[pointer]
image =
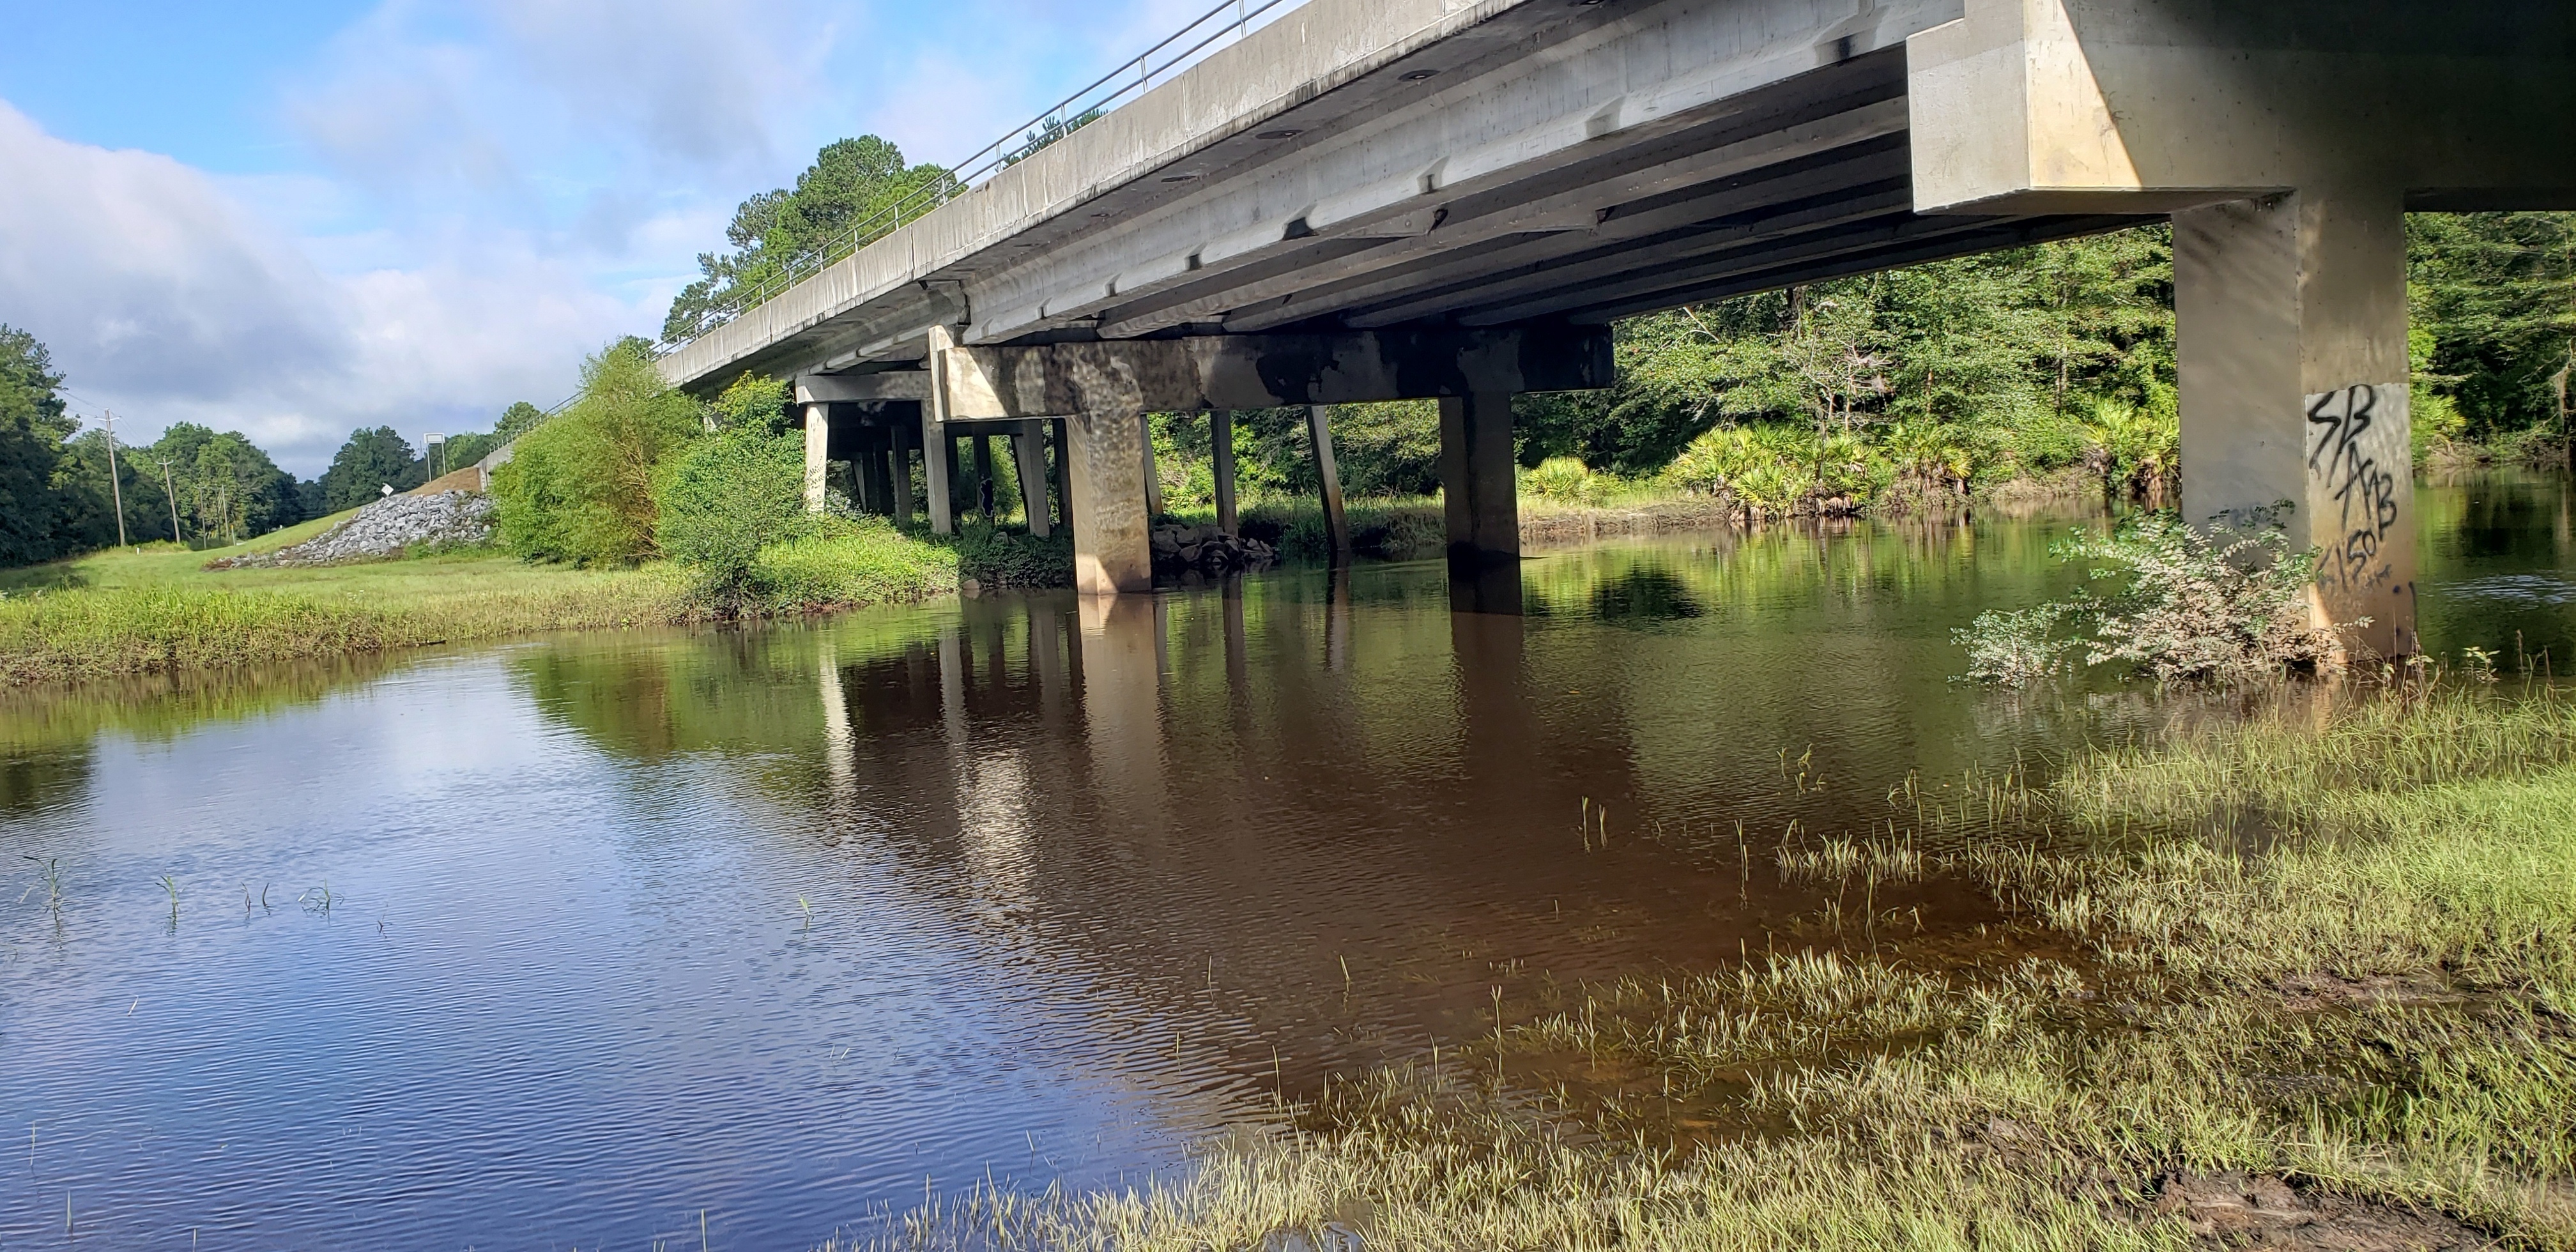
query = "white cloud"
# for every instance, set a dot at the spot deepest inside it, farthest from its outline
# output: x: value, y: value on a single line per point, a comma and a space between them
x: 165, y: 298
x: 493, y: 189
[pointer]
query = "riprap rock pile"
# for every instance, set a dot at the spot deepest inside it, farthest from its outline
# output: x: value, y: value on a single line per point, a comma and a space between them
x: 385, y: 528
x: 1207, y: 550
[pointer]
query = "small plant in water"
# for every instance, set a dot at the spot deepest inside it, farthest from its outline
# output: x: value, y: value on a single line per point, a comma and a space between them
x: 2219, y: 605
x: 2017, y: 649
x: 171, y: 885
x: 50, y: 881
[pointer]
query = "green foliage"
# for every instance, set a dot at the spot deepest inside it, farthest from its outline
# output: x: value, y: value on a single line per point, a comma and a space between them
x: 580, y: 488
x: 2197, y: 605
x: 2184, y: 605
x: 2494, y: 294
x: 841, y: 562
x: 2004, y: 355
x: 2016, y: 649
x: 753, y: 403
x: 368, y: 463
x: 43, y: 514
x: 224, y: 488
x: 724, y: 499
x: 999, y: 558
x: 2137, y: 448
x: 852, y: 183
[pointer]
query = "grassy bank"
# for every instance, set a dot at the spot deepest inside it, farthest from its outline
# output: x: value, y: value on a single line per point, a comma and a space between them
x: 2356, y: 1037
x: 118, y: 613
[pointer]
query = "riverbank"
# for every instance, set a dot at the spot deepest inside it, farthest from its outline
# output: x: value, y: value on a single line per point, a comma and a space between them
x: 159, y: 609
x: 2358, y: 1036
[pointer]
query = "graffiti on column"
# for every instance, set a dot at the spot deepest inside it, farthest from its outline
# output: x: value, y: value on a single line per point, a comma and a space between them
x: 2357, y: 451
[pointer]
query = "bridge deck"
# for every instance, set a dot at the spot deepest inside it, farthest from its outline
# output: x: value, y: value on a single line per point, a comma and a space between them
x: 1401, y: 164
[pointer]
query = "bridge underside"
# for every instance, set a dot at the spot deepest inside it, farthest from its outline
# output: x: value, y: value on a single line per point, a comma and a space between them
x: 1387, y: 199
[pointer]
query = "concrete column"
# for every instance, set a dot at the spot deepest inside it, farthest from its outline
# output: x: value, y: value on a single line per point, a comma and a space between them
x: 878, y: 470
x: 935, y: 448
x: 899, y: 472
x: 2290, y: 319
x: 1153, y: 472
x: 1221, y: 448
x: 818, y: 449
x: 1477, y: 491
x: 983, y: 445
x: 1030, y: 450
x: 1112, y: 547
x: 1319, y: 436
x: 1056, y: 428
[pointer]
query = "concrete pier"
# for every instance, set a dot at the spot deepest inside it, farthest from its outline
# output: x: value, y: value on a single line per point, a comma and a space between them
x: 1328, y: 479
x: 1478, y: 491
x: 1028, y: 448
x: 2291, y: 328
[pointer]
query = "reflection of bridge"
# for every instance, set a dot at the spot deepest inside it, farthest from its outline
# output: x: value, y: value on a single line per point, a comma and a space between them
x: 1384, y: 199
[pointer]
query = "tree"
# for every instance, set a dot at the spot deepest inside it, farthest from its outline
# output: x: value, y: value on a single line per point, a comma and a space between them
x: 2497, y: 293
x: 580, y: 487
x: 724, y: 499
x: 369, y: 462
x: 854, y: 184
x: 226, y: 488
x: 42, y: 509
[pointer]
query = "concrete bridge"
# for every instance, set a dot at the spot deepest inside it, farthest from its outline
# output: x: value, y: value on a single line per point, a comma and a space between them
x: 1454, y: 199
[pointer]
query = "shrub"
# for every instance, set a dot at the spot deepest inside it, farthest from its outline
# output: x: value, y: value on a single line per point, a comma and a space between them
x: 725, y: 499
x: 1559, y: 478
x: 2215, y: 606
x: 841, y: 562
x: 580, y: 488
x: 2198, y: 605
x: 2016, y: 649
x: 1007, y: 558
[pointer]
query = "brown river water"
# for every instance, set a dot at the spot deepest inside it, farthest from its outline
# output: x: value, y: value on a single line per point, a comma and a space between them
x: 586, y: 941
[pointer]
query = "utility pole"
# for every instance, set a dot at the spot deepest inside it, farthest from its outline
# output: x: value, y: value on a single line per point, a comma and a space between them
x: 173, y: 493
x: 115, y: 489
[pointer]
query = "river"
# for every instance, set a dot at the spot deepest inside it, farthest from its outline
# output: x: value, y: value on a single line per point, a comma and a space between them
x: 609, y: 940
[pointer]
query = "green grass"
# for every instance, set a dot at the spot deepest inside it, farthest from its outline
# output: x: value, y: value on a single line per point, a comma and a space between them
x: 119, y: 614
x: 2374, y: 1006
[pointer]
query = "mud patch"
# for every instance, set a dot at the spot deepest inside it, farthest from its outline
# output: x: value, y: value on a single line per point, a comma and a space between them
x: 2235, y: 1210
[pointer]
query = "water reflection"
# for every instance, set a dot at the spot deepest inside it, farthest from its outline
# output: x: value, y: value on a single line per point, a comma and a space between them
x: 783, y: 925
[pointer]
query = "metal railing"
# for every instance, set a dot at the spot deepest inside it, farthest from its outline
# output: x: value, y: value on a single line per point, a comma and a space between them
x: 1176, y: 52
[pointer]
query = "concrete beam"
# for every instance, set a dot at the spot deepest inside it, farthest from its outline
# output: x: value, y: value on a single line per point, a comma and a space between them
x: 2057, y: 106
x: 852, y: 388
x: 1265, y: 371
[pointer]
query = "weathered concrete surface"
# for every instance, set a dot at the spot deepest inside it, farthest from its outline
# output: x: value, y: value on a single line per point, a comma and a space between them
x: 1262, y: 371
x: 1478, y: 490
x: 1427, y: 141
x: 2291, y: 321
x: 818, y: 445
x: 2117, y: 105
x: 1112, y: 546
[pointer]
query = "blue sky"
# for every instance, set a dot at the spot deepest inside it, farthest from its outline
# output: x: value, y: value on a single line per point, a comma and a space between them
x: 297, y: 217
